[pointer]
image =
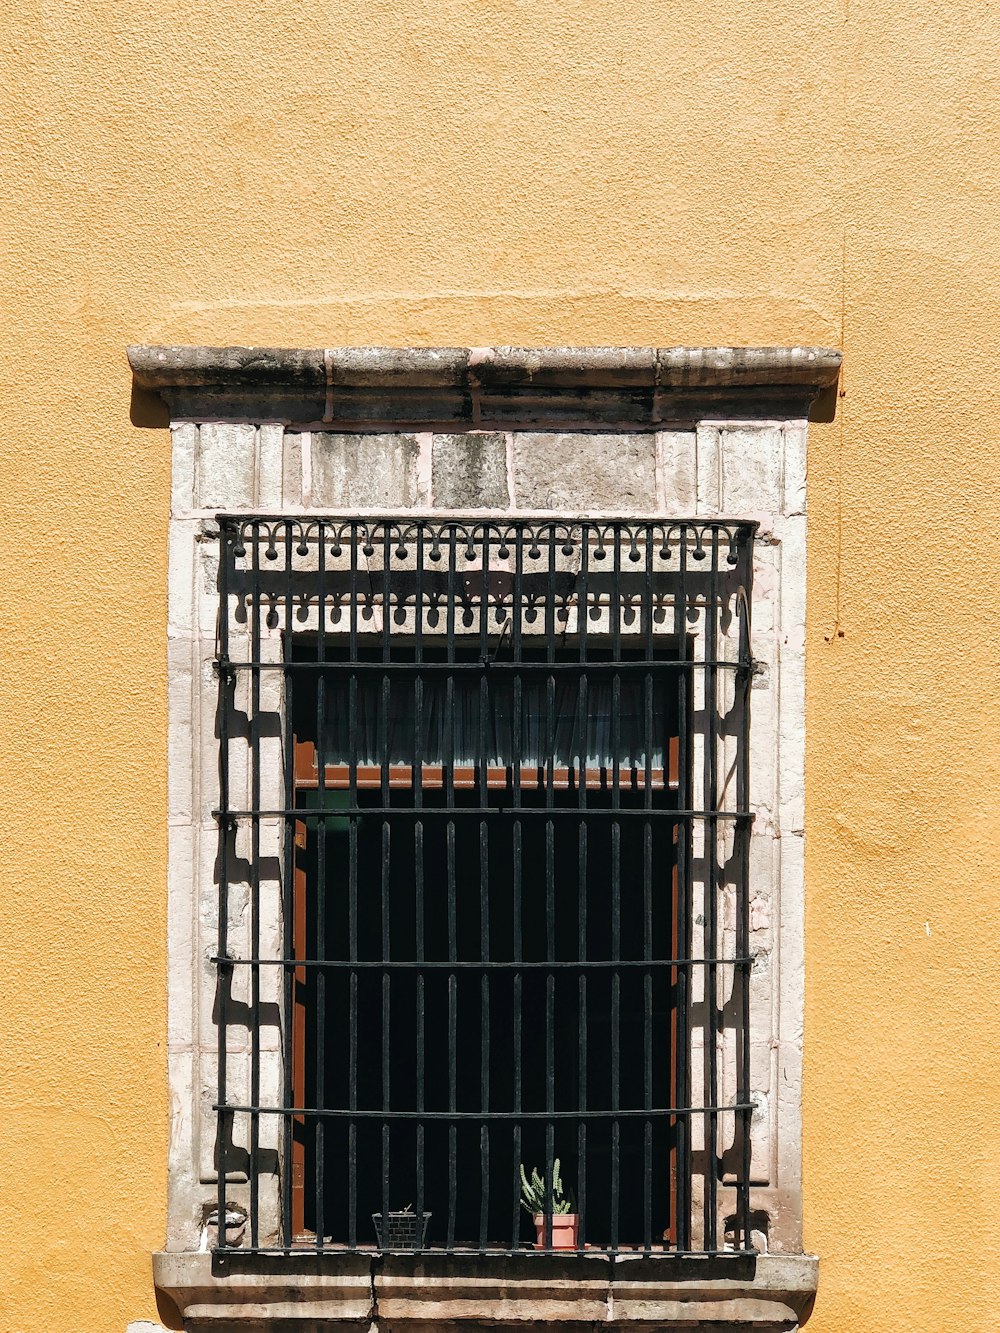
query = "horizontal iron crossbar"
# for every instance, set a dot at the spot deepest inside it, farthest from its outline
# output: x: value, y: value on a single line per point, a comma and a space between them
x: 482, y: 965
x: 589, y: 668
x: 660, y: 1255
x: 624, y: 1113
x: 458, y: 813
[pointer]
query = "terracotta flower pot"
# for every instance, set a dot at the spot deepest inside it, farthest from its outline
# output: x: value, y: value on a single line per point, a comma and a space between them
x: 565, y: 1230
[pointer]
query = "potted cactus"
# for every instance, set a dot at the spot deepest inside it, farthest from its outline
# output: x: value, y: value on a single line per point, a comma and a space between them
x: 550, y: 1206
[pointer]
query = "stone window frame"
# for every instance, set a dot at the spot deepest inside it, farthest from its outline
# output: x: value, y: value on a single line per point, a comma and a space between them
x: 702, y: 433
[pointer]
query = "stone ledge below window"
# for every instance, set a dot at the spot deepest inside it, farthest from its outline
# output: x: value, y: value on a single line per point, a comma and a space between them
x: 766, y: 1293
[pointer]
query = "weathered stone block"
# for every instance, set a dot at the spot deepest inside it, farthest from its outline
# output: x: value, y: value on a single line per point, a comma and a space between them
x: 479, y: 1290
x: 409, y: 367
x: 184, y: 447
x: 381, y: 470
x: 752, y: 459
x: 795, y: 467
x: 470, y: 471
x: 708, y: 480
x: 226, y: 465
x: 269, y: 450
x: 291, y: 470
x: 210, y: 1294
x: 180, y: 690
x: 181, y: 547
x: 675, y: 456
x: 181, y: 976
x: 583, y: 471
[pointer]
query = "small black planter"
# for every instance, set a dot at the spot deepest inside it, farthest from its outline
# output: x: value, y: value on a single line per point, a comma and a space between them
x: 401, y: 1231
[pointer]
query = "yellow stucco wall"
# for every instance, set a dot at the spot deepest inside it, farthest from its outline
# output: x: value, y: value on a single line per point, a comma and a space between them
x: 476, y: 171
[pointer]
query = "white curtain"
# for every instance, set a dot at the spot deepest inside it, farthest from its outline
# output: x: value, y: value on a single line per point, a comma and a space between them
x: 575, y: 739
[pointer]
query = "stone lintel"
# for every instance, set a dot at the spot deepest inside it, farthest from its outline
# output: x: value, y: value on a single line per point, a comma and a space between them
x: 356, y: 387
x: 764, y: 1292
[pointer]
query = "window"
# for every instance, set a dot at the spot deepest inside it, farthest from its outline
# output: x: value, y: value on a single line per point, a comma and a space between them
x: 512, y: 455
x: 507, y: 868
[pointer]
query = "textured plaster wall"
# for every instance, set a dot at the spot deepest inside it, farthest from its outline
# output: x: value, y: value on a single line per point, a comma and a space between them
x: 477, y: 171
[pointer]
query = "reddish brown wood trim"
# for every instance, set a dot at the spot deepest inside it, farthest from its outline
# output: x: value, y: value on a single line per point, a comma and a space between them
x: 466, y: 777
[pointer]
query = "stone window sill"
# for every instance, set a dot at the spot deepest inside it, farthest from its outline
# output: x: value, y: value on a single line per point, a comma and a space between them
x: 766, y: 1293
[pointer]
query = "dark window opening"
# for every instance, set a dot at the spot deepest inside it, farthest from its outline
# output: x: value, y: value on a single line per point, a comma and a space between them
x: 575, y: 915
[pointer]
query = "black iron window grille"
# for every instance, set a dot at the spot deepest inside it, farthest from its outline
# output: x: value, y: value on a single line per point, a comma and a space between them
x: 483, y: 884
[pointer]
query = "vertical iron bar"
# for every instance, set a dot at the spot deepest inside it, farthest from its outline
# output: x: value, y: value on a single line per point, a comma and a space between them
x: 744, y: 832
x: 418, y: 855
x: 615, y: 612
x: 289, y: 894
x: 352, y: 896
x: 681, y: 945
x: 647, y: 884
x: 226, y: 547
x: 583, y: 741
x: 711, y: 895
x: 383, y: 748
x: 449, y: 758
x: 319, y: 974
x: 484, y: 894
x: 255, y: 894
x: 516, y: 748
x: 550, y: 875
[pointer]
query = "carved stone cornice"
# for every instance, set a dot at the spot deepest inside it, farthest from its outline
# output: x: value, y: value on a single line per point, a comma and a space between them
x: 485, y: 387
